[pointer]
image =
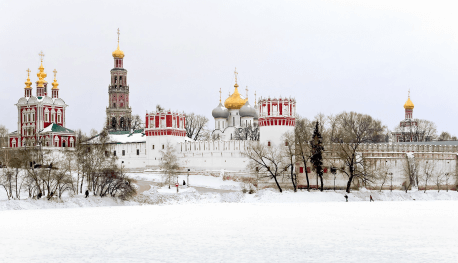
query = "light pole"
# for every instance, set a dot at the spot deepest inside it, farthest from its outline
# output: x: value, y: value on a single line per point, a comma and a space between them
x: 187, y: 179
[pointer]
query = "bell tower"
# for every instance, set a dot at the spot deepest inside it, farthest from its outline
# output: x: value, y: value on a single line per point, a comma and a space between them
x: 119, y: 114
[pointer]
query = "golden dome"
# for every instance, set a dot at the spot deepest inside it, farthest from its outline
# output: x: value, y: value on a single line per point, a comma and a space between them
x: 235, y: 101
x: 55, y: 84
x: 118, y: 53
x: 41, y: 76
x: 28, y: 83
x: 408, y: 105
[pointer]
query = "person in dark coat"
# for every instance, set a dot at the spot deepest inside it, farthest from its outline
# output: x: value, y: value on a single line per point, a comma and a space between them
x: 39, y: 195
x: 86, y: 193
x: 184, y: 183
x: 371, y: 200
x: 346, y: 198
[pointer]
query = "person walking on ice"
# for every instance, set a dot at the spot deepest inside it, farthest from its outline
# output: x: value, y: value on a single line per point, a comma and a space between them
x: 86, y: 193
x: 371, y: 200
x: 346, y: 198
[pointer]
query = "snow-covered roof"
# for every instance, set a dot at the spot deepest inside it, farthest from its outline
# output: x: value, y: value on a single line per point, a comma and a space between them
x: 56, y: 128
x: 118, y: 137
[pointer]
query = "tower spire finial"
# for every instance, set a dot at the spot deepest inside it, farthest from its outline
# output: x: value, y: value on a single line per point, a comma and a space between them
x: 118, y: 36
x: 219, y: 95
x: 255, y: 98
x: 41, y: 54
x: 409, y: 94
x: 28, y: 73
x: 235, y: 73
x: 55, y: 73
x: 246, y: 89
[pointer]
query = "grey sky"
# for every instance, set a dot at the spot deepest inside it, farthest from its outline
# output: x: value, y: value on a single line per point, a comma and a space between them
x: 330, y: 55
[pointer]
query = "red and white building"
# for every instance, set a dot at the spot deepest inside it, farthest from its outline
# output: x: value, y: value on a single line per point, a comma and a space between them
x: 276, y: 116
x: 41, y: 118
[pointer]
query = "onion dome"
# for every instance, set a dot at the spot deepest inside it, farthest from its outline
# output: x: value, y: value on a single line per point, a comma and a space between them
x: 235, y: 101
x: 409, y: 104
x: 247, y: 110
x: 220, y: 112
x: 55, y: 84
x: 256, y: 115
x: 41, y: 76
x: 118, y: 53
x: 28, y: 83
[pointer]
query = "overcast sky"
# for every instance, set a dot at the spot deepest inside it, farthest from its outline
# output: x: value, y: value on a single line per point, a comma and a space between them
x: 332, y: 56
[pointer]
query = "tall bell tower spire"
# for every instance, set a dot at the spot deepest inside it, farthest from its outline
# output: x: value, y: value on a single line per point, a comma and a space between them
x: 119, y: 114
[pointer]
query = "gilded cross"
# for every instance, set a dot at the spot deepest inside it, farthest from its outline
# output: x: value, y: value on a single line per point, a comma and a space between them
x: 255, y: 98
x: 28, y: 72
x: 55, y: 72
x: 246, y: 89
x: 41, y: 54
x: 118, y: 35
x: 235, y: 73
x: 219, y: 95
x: 409, y: 93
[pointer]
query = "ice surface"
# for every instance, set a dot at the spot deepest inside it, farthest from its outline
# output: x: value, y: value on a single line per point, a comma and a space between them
x: 224, y: 232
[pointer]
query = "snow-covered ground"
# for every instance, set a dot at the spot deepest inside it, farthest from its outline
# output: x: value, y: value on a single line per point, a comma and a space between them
x: 198, y: 180
x: 421, y: 231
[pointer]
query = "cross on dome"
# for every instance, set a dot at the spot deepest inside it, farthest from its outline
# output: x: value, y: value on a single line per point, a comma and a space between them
x: 28, y: 72
x: 41, y: 54
x: 235, y: 73
x: 246, y: 89
x: 55, y: 72
x: 219, y: 95
x: 118, y: 35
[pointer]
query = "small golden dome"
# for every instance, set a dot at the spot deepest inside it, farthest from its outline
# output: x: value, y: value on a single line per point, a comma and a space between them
x: 118, y: 53
x: 55, y: 84
x: 41, y: 72
x: 235, y: 101
x: 41, y: 76
x: 28, y: 83
x: 408, y: 105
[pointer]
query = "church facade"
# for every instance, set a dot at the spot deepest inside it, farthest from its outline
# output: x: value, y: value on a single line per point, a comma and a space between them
x: 41, y: 118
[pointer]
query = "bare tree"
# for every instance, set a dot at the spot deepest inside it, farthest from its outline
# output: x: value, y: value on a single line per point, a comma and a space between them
x: 169, y: 163
x: 354, y: 129
x: 412, y: 170
x: 195, y: 124
x: 303, y: 133
x: 3, y: 136
x: 445, y: 136
x: 250, y: 133
x: 417, y: 130
x: 439, y: 180
x: 289, y: 153
x: 136, y: 122
x: 429, y: 167
x: 266, y: 161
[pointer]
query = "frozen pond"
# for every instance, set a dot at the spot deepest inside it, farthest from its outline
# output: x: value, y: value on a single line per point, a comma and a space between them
x: 412, y: 231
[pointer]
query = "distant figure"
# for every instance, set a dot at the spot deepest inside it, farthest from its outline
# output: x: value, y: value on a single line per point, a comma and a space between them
x: 346, y: 197
x: 50, y: 196
x: 372, y: 200
x: 184, y: 183
x: 86, y: 193
x: 39, y: 195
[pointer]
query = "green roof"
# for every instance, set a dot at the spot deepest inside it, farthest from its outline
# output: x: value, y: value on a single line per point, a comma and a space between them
x: 56, y: 128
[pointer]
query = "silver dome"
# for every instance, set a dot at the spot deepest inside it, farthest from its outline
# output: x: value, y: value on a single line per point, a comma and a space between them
x: 220, y: 112
x: 247, y: 110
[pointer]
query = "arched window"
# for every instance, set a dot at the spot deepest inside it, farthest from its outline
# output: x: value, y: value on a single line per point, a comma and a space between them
x: 122, y: 123
x: 113, y: 123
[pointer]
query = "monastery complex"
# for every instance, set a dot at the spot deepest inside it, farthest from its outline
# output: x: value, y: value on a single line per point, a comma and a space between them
x: 41, y: 122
